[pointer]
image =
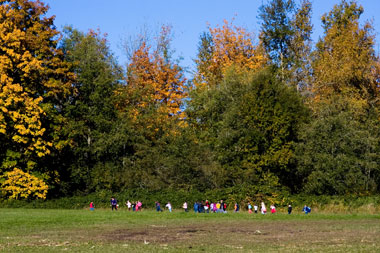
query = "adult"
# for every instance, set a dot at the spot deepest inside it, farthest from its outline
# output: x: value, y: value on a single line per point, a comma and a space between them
x: 113, y: 203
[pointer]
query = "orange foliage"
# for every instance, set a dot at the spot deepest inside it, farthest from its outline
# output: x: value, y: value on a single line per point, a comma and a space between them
x: 154, y: 80
x: 231, y: 45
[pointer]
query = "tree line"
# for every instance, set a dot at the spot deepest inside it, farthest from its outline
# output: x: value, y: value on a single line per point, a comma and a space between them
x: 271, y: 111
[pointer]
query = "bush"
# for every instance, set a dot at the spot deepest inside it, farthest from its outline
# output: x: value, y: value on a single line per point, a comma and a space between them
x: 240, y: 194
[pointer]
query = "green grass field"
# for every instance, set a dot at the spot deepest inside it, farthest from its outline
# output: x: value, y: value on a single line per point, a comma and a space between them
x: 37, y: 230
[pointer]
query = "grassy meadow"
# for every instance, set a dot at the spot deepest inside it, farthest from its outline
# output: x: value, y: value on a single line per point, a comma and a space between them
x: 44, y: 230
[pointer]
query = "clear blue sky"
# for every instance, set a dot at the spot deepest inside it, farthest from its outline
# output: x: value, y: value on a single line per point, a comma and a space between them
x: 123, y: 18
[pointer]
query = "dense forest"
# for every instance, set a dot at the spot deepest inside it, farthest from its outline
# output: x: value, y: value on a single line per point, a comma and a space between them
x: 263, y: 110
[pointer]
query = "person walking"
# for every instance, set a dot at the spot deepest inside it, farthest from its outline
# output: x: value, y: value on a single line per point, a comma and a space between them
x: 272, y: 209
x: 290, y: 209
x: 255, y: 207
x: 249, y: 208
x: 184, y: 206
x: 128, y: 204
x: 169, y: 207
x: 236, y: 208
x: 263, y: 208
x: 158, y: 206
x: 113, y: 203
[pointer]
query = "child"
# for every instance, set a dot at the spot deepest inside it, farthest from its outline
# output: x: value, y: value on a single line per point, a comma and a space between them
x: 139, y: 204
x: 212, y: 207
x: 290, y: 209
x: 169, y: 206
x: 207, y: 206
x: 128, y: 204
x: 158, y: 207
x: 255, y: 207
x: 272, y: 209
x: 218, y: 209
x: 184, y: 206
x: 196, y: 207
x: 133, y: 206
x: 236, y: 207
x: 263, y: 208
x: 92, y: 207
x: 249, y: 208
x: 306, y: 209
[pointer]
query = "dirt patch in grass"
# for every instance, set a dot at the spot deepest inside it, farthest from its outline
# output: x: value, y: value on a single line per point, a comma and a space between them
x: 251, y: 232
x: 154, y: 234
x: 245, y: 232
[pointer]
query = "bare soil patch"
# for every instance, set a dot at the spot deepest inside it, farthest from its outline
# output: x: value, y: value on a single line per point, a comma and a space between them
x: 242, y: 233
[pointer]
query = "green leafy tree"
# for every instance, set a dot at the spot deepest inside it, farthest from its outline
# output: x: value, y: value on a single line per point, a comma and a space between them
x: 286, y: 36
x: 90, y: 112
x: 338, y: 152
x: 301, y: 48
x: 251, y: 123
x: 277, y: 32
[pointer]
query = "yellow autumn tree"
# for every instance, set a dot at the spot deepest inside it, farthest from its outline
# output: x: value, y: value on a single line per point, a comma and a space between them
x: 20, y: 185
x: 223, y: 47
x: 34, y: 82
x: 345, y: 57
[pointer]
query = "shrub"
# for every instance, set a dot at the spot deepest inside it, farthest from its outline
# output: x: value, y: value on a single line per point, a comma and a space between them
x: 21, y: 185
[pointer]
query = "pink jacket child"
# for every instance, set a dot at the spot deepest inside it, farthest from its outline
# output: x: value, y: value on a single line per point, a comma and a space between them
x: 92, y: 207
x: 214, y: 209
x: 138, y: 205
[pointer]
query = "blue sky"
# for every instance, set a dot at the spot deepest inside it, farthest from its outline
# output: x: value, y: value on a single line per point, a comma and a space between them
x: 123, y: 18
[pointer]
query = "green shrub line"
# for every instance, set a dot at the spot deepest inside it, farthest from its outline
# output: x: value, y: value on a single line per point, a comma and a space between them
x: 231, y: 196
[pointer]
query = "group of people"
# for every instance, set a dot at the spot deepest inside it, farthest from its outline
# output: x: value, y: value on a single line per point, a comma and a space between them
x: 158, y: 206
x: 201, y: 207
x: 134, y: 206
